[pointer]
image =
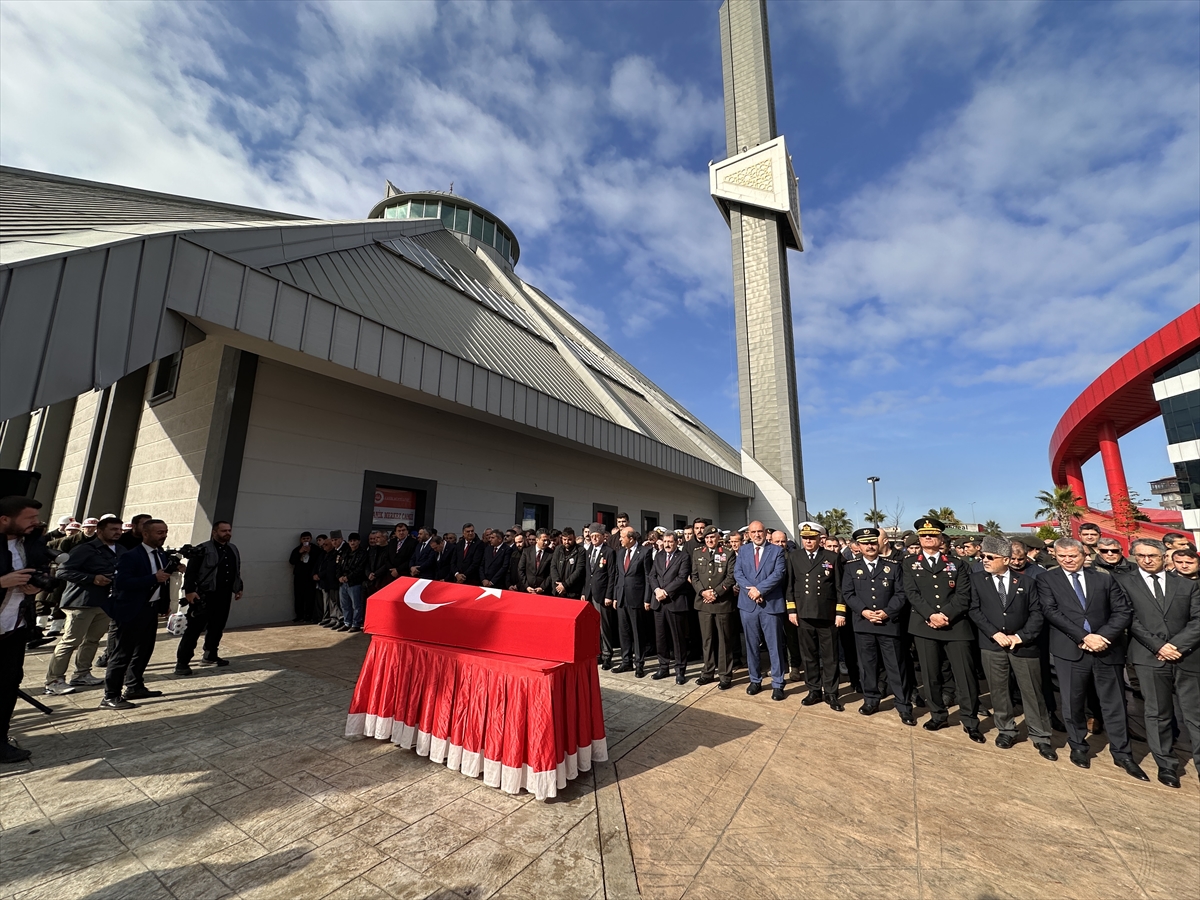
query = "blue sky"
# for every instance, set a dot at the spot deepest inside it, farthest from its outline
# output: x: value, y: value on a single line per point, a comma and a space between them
x: 998, y: 199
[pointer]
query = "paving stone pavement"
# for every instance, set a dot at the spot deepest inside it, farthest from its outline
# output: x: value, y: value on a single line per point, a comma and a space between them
x: 238, y: 783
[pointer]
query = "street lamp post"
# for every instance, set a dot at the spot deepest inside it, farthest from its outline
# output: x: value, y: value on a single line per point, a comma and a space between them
x: 874, y: 480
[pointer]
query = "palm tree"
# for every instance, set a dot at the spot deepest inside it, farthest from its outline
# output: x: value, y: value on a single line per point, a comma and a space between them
x: 1062, y: 504
x: 992, y: 527
x: 876, y: 517
x: 835, y: 521
x: 946, y: 514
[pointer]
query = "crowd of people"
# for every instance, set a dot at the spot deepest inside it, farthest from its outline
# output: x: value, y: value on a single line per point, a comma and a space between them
x: 85, y: 582
x: 1068, y: 628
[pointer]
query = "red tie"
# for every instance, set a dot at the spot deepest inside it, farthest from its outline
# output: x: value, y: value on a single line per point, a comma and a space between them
x: 627, y: 555
x: 465, y: 545
x: 757, y: 557
x: 539, y: 559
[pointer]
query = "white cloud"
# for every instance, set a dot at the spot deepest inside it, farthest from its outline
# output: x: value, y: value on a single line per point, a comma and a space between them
x: 674, y: 118
x: 1053, y: 219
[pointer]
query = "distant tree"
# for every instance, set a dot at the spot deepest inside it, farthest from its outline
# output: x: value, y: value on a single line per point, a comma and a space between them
x: 835, y: 521
x: 876, y: 517
x: 1062, y: 504
x: 895, y: 515
x: 946, y: 514
x: 1047, y: 533
x: 992, y: 527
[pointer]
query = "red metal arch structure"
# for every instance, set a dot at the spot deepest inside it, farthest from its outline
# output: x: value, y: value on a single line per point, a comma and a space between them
x: 1117, y: 402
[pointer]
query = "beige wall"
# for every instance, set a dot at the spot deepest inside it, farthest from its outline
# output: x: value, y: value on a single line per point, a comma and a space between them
x: 311, y: 439
x: 74, y: 458
x: 168, y: 458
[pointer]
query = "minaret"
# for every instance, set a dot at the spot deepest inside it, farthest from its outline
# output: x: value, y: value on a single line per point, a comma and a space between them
x: 755, y: 188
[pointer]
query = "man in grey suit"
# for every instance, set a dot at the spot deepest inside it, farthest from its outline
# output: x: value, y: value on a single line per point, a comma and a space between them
x: 1166, y: 635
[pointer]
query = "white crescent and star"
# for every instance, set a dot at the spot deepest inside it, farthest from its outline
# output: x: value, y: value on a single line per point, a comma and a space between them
x: 412, y: 597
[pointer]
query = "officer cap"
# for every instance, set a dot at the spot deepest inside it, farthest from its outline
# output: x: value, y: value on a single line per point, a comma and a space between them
x: 743, y: 529
x: 912, y: 541
x: 929, y: 525
x: 711, y: 529
x: 866, y: 535
x: 811, y: 530
x: 1031, y: 541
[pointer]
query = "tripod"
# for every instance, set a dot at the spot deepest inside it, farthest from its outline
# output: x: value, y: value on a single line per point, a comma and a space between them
x: 36, y: 704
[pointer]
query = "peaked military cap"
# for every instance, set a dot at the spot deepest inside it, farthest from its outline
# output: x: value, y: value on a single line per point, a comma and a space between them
x: 811, y: 530
x: 866, y: 535
x: 929, y: 525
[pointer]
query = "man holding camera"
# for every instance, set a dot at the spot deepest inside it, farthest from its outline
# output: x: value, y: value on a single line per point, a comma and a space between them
x: 22, y: 559
x: 137, y: 596
x: 212, y: 580
x: 88, y: 574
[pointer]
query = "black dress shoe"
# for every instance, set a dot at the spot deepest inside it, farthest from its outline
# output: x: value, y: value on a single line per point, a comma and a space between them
x: 753, y: 688
x: 10, y: 753
x: 704, y: 679
x: 660, y: 675
x: 936, y: 725
x: 681, y: 679
x: 868, y: 709
x: 724, y: 685
x: 1131, y: 768
x: 776, y: 693
x: 1080, y: 758
x: 183, y: 670
x: 918, y: 701
x: 1057, y: 724
x: 140, y: 693
x: 813, y: 698
x: 835, y: 704
x: 1046, y: 752
x: 219, y: 661
x: 973, y: 734
x: 621, y: 667
x: 606, y: 664
x: 1170, y: 779
x: 118, y: 703
x: 908, y: 719
x: 1005, y: 741
x: 639, y: 672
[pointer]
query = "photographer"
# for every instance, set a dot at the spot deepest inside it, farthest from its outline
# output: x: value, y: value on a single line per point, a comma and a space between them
x: 213, y: 578
x: 25, y: 559
x: 88, y: 575
x: 134, y: 604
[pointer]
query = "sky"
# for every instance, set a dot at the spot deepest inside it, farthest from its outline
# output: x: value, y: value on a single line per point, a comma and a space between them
x: 998, y: 199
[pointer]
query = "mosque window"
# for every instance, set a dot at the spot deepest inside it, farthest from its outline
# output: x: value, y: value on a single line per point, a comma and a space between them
x: 476, y: 226
x: 489, y: 232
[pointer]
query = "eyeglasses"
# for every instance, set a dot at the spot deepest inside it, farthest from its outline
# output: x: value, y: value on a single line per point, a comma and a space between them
x: 989, y: 557
x: 1108, y: 549
x: 1148, y: 555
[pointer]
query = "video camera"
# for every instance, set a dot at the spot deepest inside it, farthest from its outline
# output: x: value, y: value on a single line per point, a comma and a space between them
x: 176, y: 557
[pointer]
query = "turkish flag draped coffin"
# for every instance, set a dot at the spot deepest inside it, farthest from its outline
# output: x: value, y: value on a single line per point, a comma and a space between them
x: 489, y: 682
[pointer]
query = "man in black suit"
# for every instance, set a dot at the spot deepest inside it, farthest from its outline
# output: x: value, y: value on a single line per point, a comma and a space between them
x: 816, y: 608
x: 534, y: 570
x: 630, y: 593
x: 874, y: 596
x: 516, y: 556
x: 1089, y: 613
x: 1008, y: 619
x: 138, y: 585
x: 468, y: 557
x: 403, y: 545
x: 1166, y: 635
x: 447, y: 564
x: 379, y: 562
x: 423, y: 563
x: 670, y: 601
x: 568, y: 567
x: 939, y: 597
x: 494, y: 570
x: 596, y: 590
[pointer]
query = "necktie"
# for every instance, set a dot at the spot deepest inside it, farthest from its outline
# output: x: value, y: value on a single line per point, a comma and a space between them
x: 812, y: 557
x: 538, y: 563
x: 465, y: 546
x: 870, y: 568
x: 1000, y: 590
x: 757, y: 556
x: 628, y: 553
x: 929, y: 562
x: 1082, y: 598
x: 668, y: 565
x: 1158, y: 591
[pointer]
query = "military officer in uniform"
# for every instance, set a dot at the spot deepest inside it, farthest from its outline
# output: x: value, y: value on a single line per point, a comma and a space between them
x: 878, y: 609
x: 939, y: 597
x: 712, y: 580
x: 816, y: 608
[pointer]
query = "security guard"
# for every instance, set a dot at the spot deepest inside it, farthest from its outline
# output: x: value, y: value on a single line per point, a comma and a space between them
x: 815, y: 607
x: 939, y: 596
x: 716, y: 604
x: 877, y: 607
